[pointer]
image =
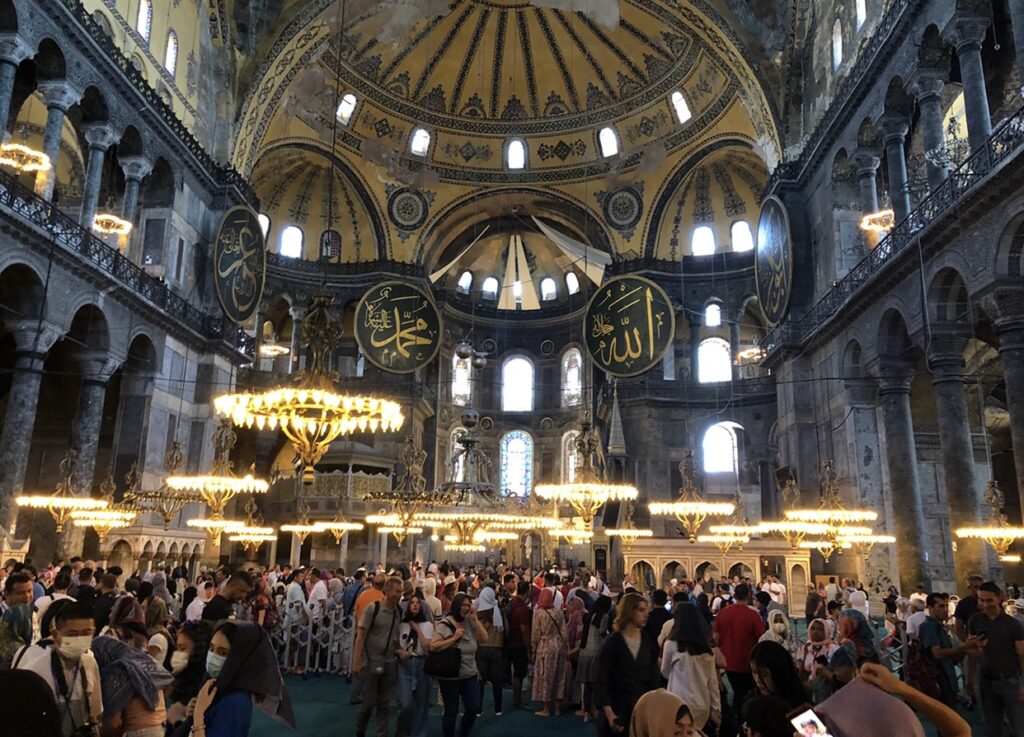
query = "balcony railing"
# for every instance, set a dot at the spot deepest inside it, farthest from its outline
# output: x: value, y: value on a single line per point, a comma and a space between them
x: 695, y: 392
x: 28, y: 207
x: 1005, y: 142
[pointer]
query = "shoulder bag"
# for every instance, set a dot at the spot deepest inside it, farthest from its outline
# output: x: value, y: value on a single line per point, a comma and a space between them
x: 444, y: 663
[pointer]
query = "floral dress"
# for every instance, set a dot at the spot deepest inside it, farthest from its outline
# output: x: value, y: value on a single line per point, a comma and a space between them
x: 548, y: 640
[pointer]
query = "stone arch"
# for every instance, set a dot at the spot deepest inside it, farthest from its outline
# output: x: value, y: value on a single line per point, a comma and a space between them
x: 49, y: 60
x: 933, y: 53
x: 798, y: 579
x: 741, y: 569
x: 1010, y: 253
x: 93, y: 106
x: 22, y: 293
x: 89, y: 329
x: 121, y: 555
x: 672, y: 569
x: 853, y: 361
x: 948, y: 302
x: 8, y: 17
x: 893, y: 335
x: 706, y: 570
x: 172, y: 552
x: 186, y: 551
x: 142, y: 356
x: 642, y: 573
x: 147, y: 549
x: 845, y: 195
x: 130, y: 143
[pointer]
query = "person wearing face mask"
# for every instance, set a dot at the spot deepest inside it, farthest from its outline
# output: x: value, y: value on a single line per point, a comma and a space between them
x: 188, y: 665
x: 69, y: 668
x: 243, y: 668
x: 778, y: 631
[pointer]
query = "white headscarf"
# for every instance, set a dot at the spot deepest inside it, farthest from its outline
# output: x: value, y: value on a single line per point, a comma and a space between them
x: 488, y: 600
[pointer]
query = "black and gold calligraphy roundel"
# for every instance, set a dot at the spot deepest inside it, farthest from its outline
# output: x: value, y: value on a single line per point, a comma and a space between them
x: 239, y: 264
x: 398, y: 327
x: 773, y: 261
x: 629, y: 325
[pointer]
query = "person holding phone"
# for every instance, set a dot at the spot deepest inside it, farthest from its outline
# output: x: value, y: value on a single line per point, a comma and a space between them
x: 1001, y: 663
x: 460, y: 629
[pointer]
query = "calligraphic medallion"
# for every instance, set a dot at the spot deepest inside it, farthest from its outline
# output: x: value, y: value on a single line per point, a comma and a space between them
x: 239, y: 264
x: 398, y: 327
x: 629, y: 325
x: 773, y: 260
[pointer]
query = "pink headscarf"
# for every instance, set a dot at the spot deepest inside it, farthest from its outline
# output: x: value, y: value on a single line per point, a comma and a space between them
x: 577, y: 610
x: 546, y: 600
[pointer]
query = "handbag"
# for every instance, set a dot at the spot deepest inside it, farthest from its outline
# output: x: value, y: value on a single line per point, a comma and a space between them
x: 444, y: 663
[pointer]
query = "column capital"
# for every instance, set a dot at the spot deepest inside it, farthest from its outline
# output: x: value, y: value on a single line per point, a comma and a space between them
x: 31, y: 336
x: 58, y: 93
x: 895, y: 377
x: 1003, y: 303
x: 967, y: 29
x: 946, y: 356
x: 135, y: 167
x: 97, y: 366
x: 14, y: 49
x: 894, y: 128
x: 100, y: 136
x: 927, y: 83
x: 866, y: 161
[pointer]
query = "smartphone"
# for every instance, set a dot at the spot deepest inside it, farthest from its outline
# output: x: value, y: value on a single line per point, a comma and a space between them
x: 807, y: 723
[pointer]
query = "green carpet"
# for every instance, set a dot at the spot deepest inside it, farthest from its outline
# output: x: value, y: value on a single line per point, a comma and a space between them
x: 322, y: 709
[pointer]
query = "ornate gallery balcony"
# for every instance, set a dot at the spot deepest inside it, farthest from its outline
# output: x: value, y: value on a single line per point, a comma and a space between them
x: 38, y: 223
x: 744, y: 391
x: 976, y: 178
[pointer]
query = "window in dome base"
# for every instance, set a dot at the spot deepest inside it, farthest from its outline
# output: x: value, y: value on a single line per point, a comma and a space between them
x: 608, y: 141
x: 330, y: 245
x: 517, y: 385
x: 489, y: 290
x: 419, y: 144
x: 346, y: 107
x: 682, y: 109
x: 703, y: 241
x: 264, y: 224
x: 572, y: 283
x: 465, y: 283
x: 548, y: 289
x: 291, y: 242
x: 516, y: 154
x: 742, y: 237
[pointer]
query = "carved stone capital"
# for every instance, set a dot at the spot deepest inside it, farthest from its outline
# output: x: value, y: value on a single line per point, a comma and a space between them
x: 927, y: 83
x: 967, y: 29
x: 946, y: 355
x: 894, y: 128
x: 58, y: 93
x: 1003, y: 303
x: 100, y: 136
x: 97, y: 366
x: 14, y: 49
x: 895, y: 374
x: 135, y: 167
x: 31, y: 336
x: 865, y: 161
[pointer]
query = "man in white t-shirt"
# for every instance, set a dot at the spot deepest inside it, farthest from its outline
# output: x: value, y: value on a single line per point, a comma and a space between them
x: 777, y: 590
x: 916, y: 619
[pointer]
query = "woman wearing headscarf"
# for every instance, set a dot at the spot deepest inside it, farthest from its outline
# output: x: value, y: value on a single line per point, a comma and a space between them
x: 548, y: 653
x: 775, y: 673
x: 243, y: 668
x: 595, y: 630
x: 15, y: 632
x: 575, y: 611
x: 430, y: 599
x: 463, y: 630
x: 778, y: 631
x: 688, y: 663
x: 188, y: 666
x: 859, y: 601
x: 160, y: 590
x: 490, y: 656
x: 809, y: 656
x: 128, y: 622
x: 132, y: 686
x: 660, y: 714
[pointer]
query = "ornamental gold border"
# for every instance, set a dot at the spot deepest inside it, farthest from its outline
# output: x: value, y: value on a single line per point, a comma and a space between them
x: 263, y: 262
x: 426, y: 295
x: 672, y: 324
x: 789, y: 241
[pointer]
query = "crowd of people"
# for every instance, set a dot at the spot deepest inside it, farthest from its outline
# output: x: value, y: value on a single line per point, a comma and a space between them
x: 174, y: 656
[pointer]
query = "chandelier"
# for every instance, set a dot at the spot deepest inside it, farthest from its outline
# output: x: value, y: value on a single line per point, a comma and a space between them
x: 628, y: 533
x: 63, y: 502
x: 572, y: 535
x: 470, y: 527
x: 826, y: 546
x: 588, y: 491
x: 23, y: 158
x: 103, y: 521
x: 165, y: 501
x: 391, y: 524
x: 311, y: 413
x: 221, y: 485
x: 338, y: 527
x: 831, y: 511
x: 409, y: 497
x: 863, y: 544
x: 469, y: 468
x: 690, y: 509
x: 106, y: 223
x: 878, y: 222
x: 998, y: 534
x: 724, y: 541
x: 253, y: 533
x: 302, y: 526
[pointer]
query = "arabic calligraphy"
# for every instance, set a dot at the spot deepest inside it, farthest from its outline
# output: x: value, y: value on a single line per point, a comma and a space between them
x: 239, y: 264
x: 397, y: 327
x: 629, y: 325
x: 773, y: 264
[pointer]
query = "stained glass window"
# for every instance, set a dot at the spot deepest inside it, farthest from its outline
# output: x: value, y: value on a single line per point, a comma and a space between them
x: 570, y: 458
x: 517, y: 463
x: 572, y: 377
x: 144, y: 20
x: 462, y: 386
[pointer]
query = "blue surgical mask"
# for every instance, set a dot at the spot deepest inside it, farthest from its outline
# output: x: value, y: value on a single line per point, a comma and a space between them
x: 215, y: 663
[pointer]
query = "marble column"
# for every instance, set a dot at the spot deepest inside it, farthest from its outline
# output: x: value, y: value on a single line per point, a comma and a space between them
x: 928, y: 85
x: 966, y: 34
x: 132, y: 422
x: 383, y: 552
x: 766, y: 484
x: 895, y: 131
x: 1007, y: 309
x: 694, y: 349
x: 13, y: 50
x: 32, y: 342
x: 1017, y: 24
x: 100, y: 136
x: 135, y: 169
x: 295, y: 552
x: 867, y: 164
x: 901, y: 459
x: 734, y: 347
x: 59, y: 96
x: 97, y: 366
x: 946, y: 363
x: 296, y: 345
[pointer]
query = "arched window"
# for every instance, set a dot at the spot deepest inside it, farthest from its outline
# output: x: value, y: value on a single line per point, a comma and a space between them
x: 548, y: 288
x: 490, y: 288
x: 714, y: 361
x: 330, y: 245
x: 515, y: 156
x: 572, y: 377
x: 516, y: 463
x: 462, y: 384
x: 681, y: 108
x: 837, y: 44
x: 713, y: 315
x: 570, y: 458
x: 862, y: 12
x: 465, y: 282
x: 608, y: 141
x: 346, y: 107
x: 291, y: 242
x: 517, y: 291
x: 171, y: 52
x: 144, y: 20
x: 720, y: 447
x: 419, y: 144
x: 742, y: 237
x: 264, y: 224
x: 517, y: 385
x: 702, y: 242
x: 572, y: 284
x: 460, y: 459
